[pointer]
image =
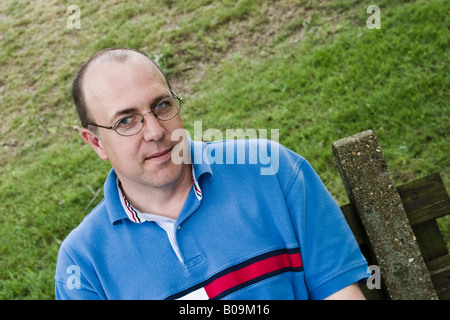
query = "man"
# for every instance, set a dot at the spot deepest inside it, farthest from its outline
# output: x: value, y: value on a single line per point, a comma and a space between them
x: 195, y: 229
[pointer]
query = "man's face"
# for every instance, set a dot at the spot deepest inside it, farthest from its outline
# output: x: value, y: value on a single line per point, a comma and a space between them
x: 110, y: 88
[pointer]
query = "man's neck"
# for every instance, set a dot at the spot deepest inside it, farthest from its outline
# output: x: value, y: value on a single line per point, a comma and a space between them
x: 165, y: 201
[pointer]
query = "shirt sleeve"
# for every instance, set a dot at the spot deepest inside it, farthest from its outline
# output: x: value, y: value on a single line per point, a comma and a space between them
x: 70, y: 281
x: 331, y: 256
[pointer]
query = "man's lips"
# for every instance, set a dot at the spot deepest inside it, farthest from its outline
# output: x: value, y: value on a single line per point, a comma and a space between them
x: 160, y: 155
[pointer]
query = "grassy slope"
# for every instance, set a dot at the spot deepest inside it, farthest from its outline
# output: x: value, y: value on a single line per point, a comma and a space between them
x: 308, y: 68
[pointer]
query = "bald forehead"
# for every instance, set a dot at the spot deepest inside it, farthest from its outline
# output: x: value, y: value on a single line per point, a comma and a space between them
x: 123, y: 56
x: 106, y: 68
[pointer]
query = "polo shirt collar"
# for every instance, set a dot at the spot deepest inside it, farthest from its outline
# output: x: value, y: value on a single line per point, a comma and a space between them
x: 112, y: 199
x: 112, y: 194
x: 200, y: 167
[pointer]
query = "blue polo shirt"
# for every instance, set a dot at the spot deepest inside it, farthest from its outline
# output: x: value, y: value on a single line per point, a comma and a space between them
x: 242, y: 234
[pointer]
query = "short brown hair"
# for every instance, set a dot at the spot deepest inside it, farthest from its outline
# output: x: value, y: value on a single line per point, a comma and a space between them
x: 116, y: 54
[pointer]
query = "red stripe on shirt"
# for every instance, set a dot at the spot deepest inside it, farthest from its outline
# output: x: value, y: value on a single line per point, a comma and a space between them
x: 129, y: 209
x: 253, y: 271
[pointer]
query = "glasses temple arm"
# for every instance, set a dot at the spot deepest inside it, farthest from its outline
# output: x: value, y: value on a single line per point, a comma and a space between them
x: 97, y: 125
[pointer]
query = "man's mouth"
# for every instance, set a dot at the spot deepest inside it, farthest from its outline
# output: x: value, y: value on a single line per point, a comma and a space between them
x: 160, y: 156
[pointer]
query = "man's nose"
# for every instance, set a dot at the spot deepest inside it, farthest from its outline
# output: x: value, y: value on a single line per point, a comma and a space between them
x: 152, y: 128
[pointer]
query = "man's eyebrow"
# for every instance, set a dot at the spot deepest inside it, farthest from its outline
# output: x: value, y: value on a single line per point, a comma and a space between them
x: 131, y: 110
x: 124, y: 112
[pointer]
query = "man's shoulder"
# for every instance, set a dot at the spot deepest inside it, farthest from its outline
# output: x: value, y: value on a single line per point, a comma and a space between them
x: 263, y: 157
x: 88, y: 228
x: 77, y: 255
x: 253, y: 148
x: 264, y: 147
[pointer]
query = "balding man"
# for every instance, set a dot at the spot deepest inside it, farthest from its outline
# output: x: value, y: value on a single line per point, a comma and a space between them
x: 171, y: 229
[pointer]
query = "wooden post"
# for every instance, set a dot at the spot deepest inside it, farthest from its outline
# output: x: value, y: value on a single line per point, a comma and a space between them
x: 372, y: 192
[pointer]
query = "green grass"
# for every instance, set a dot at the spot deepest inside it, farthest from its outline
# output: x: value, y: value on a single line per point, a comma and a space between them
x: 308, y: 68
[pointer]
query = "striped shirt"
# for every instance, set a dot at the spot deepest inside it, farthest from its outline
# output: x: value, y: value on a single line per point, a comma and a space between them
x: 252, y: 236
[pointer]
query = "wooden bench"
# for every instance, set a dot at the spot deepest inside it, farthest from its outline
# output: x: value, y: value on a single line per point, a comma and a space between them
x: 395, y: 227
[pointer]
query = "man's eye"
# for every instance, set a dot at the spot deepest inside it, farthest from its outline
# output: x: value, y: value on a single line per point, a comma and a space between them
x: 163, y: 105
x: 126, y: 121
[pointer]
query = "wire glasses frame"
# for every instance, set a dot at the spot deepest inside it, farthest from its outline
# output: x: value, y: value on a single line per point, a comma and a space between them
x: 132, y: 124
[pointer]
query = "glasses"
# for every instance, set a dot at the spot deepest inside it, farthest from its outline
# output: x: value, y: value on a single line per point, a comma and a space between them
x: 132, y: 124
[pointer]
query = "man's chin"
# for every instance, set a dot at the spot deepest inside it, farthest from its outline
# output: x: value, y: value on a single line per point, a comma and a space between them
x: 166, y: 175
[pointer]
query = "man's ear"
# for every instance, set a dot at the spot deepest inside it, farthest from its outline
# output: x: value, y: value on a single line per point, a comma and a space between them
x: 95, y: 142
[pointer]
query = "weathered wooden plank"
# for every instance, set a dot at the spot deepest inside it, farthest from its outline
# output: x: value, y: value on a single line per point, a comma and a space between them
x: 440, y: 275
x: 430, y: 240
x: 425, y: 199
x: 373, y: 194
